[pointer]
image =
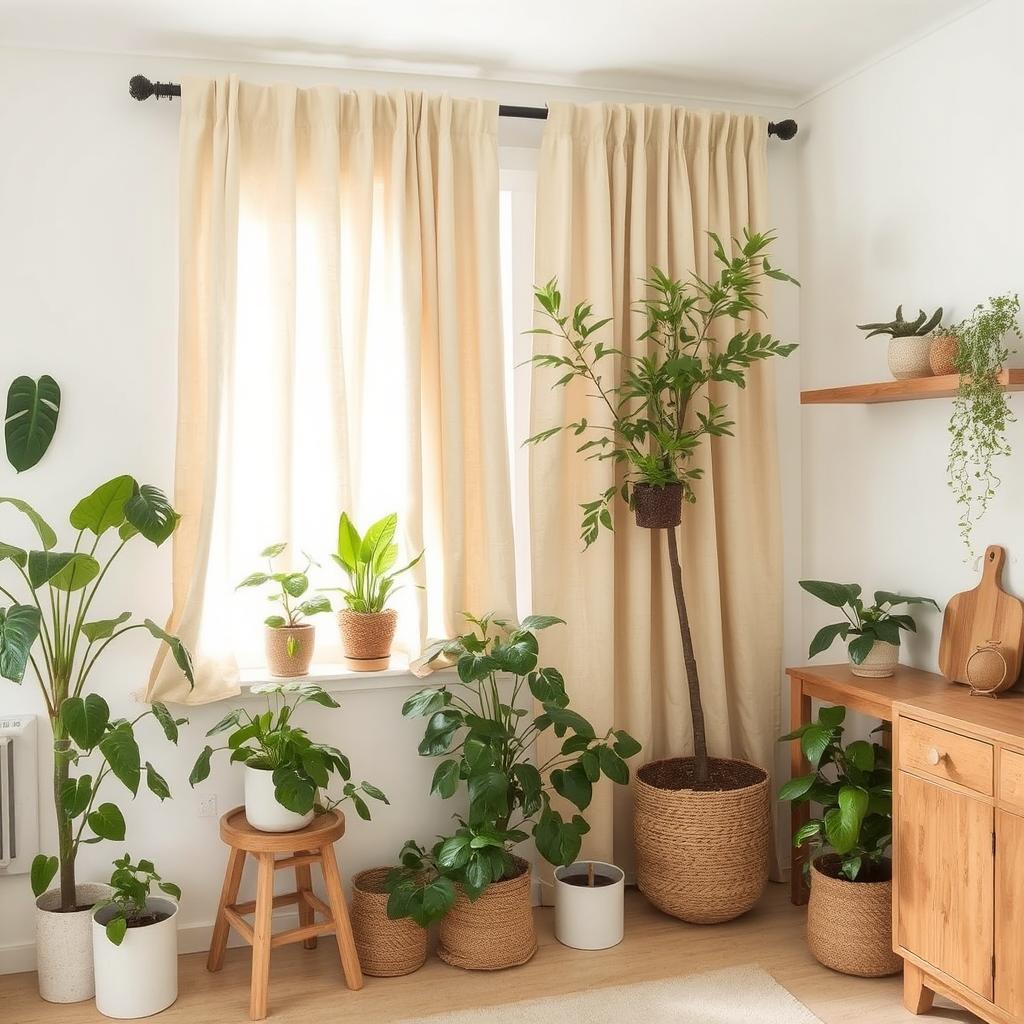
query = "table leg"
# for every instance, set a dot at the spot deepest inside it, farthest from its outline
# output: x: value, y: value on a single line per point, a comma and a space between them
x: 261, y: 936
x: 342, y: 925
x: 917, y: 996
x: 799, y: 714
x: 228, y: 895
x: 304, y: 883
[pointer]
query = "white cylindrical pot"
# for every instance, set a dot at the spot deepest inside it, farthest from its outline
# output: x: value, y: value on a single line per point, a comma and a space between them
x: 139, y: 977
x: 880, y: 662
x: 589, y: 917
x: 64, y: 944
x: 261, y: 807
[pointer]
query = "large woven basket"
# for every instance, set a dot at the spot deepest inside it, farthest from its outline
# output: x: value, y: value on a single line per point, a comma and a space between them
x: 386, y: 948
x: 701, y: 855
x: 495, y: 930
x: 289, y: 649
x: 367, y: 637
x: 849, y: 924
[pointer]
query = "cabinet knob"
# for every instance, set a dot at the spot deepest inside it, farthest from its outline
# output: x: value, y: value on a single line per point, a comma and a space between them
x: 935, y: 755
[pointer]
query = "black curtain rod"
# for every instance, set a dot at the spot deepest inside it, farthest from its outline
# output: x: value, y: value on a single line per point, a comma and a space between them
x: 141, y: 88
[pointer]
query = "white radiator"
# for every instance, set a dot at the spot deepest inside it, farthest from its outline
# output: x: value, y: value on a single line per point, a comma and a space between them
x: 19, y: 794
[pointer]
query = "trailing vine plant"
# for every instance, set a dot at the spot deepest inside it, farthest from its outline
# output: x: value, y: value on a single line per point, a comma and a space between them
x: 981, y: 410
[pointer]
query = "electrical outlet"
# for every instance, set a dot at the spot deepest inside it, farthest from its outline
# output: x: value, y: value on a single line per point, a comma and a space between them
x: 208, y: 807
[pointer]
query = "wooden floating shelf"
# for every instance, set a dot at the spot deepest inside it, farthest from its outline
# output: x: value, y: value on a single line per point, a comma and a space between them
x: 902, y: 390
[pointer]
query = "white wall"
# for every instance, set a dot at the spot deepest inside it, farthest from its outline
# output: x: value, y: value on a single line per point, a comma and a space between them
x: 88, y: 198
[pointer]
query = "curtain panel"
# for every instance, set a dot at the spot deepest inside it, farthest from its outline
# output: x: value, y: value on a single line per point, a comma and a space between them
x: 340, y: 347
x: 620, y: 189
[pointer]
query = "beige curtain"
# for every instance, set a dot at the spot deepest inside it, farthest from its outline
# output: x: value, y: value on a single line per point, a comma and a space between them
x: 622, y: 188
x: 339, y: 348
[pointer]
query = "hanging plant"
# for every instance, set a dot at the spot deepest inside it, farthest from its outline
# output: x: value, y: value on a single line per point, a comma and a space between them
x: 981, y: 410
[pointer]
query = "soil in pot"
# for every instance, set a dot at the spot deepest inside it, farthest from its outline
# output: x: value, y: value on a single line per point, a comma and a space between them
x: 582, y: 882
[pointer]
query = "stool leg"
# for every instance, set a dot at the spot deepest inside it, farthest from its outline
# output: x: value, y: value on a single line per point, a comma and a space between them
x: 261, y: 934
x: 342, y: 926
x: 228, y: 895
x: 304, y: 883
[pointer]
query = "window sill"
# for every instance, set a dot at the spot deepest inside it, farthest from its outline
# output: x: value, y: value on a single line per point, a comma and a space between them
x: 338, y: 679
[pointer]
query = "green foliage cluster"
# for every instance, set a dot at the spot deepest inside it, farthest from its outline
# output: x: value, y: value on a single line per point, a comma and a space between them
x: 289, y: 588
x: 900, y: 328
x: 369, y: 561
x: 131, y: 884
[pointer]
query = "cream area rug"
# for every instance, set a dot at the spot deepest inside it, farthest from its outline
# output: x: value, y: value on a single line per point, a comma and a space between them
x: 736, y: 995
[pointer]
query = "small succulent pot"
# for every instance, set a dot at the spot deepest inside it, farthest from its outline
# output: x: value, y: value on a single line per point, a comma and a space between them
x: 658, y: 508
x: 909, y: 357
x: 942, y: 354
x: 386, y: 948
x: 262, y: 810
x: 64, y: 967
x: 589, y: 904
x: 367, y: 637
x: 290, y: 649
x: 881, y: 661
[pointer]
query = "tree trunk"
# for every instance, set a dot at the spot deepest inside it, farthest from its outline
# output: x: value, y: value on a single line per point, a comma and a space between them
x: 65, y: 840
x: 700, y: 743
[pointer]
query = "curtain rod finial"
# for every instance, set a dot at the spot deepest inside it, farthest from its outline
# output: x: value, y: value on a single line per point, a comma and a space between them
x: 785, y: 130
x: 140, y: 87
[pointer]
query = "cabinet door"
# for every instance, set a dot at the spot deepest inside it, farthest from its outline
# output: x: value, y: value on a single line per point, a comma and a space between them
x: 945, y: 877
x: 1010, y: 919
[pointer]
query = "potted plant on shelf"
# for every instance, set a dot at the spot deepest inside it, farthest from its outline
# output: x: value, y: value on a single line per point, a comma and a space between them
x: 701, y: 824
x: 981, y: 409
x: 875, y: 648
x: 909, y: 342
x: 135, y: 943
x: 289, y: 640
x: 287, y: 775
x: 849, y: 916
x: 50, y: 630
x: 942, y: 351
x: 367, y: 625
x: 486, y: 915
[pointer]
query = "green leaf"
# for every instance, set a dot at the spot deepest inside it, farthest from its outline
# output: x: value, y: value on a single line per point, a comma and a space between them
x: 315, y: 605
x: 454, y: 852
x: 295, y: 584
x: 530, y: 783
x: 46, y: 535
x: 826, y: 636
x: 426, y: 702
x: 533, y: 622
x: 379, y: 535
x: 254, y: 579
x: 809, y: 830
x: 887, y: 597
x: 167, y: 721
x: 201, y: 769
x: 75, y: 794
x: 558, y: 842
x: 117, y: 928
x: 814, y: 742
x: 835, y: 594
x: 156, y: 783
x: 476, y: 876
x: 101, y: 629
x: 122, y: 754
x: 67, y: 570
x: 446, y: 779
x: 149, y: 511
x: 625, y: 746
x: 107, y: 822
x: 832, y: 716
x: 488, y: 795
x: 574, y: 785
x: 861, y: 754
x: 17, y: 555
x: 181, y: 655
x: 31, y: 419
x: 292, y: 791
x: 273, y: 550
x: 798, y: 787
x: 42, y: 872
x: 349, y: 542
x: 860, y: 648
x: 85, y: 719
x: 518, y: 656
x: 372, y: 791
x: 171, y: 889
x: 229, y: 721
x: 842, y: 823
x: 103, y: 509
x: 564, y: 718
x: 19, y: 628
x: 613, y: 766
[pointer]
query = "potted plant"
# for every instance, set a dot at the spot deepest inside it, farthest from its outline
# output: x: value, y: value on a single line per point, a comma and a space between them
x: 367, y: 625
x: 849, y: 916
x: 981, y: 409
x: 486, y: 915
x: 701, y: 824
x: 589, y: 904
x: 135, y: 943
x: 287, y: 775
x: 49, y: 630
x: 909, y: 342
x: 289, y: 640
x: 875, y: 648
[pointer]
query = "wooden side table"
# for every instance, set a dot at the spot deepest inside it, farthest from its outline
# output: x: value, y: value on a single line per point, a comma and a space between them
x: 313, y: 844
x: 836, y: 684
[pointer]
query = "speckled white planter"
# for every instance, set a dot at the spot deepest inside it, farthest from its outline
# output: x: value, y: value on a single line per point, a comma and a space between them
x: 262, y: 810
x: 64, y: 945
x: 910, y: 357
x: 880, y: 662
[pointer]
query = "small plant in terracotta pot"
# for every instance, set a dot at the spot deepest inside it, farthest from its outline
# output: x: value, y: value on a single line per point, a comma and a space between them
x: 367, y: 625
x: 942, y: 351
x: 910, y: 342
x: 289, y: 640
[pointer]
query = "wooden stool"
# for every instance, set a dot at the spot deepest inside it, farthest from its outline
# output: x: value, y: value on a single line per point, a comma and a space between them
x: 313, y: 844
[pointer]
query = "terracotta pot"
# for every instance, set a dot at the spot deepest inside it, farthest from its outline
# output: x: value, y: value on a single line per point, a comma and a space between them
x: 386, y: 948
x: 942, y: 353
x: 881, y: 661
x: 289, y: 649
x: 367, y: 637
x: 702, y: 855
x: 849, y: 924
x: 64, y: 968
x: 495, y: 930
x: 909, y: 357
x: 658, y: 508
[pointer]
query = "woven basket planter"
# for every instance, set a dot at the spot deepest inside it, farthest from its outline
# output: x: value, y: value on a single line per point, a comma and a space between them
x: 942, y: 354
x: 386, y: 948
x: 849, y: 924
x: 658, y: 508
x: 495, y: 930
x: 880, y: 663
x: 367, y: 637
x: 701, y: 855
x: 290, y: 649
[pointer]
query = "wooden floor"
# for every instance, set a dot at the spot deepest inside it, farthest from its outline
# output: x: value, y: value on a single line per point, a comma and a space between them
x: 306, y: 986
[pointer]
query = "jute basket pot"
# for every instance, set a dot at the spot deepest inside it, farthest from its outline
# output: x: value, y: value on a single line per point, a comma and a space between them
x: 849, y: 924
x: 701, y: 855
x: 386, y: 948
x: 909, y: 357
x: 658, y: 508
x: 942, y: 354
x: 881, y: 661
x: 367, y: 637
x: 495, y: 930
x: 290, y: 649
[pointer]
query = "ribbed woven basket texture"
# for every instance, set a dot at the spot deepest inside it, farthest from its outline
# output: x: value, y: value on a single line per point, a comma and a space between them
x: 279, y: 661
x: 367, y: 634
x: 386, y: 948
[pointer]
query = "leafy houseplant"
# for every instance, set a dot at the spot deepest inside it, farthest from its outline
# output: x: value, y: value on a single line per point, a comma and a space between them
x: 367, y: 625
x: 981, y: 410
x: 288, y: 775
x: 910, y: 343
x: 289, y: 640
x: 131, y: 884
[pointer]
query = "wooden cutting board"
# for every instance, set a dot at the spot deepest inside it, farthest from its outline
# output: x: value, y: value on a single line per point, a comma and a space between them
x: 977, y: 616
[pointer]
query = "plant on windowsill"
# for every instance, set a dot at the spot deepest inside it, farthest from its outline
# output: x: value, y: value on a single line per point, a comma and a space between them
x: 481, y: 889
x: 135, y: 942
x: 692, y: 813
x: 367, y: 625
x: 875, y: 648
x: 849, y: 917
x: 289, y: 640
x: 287, y: 775
x: 910, y: 342
x: 48, y: 629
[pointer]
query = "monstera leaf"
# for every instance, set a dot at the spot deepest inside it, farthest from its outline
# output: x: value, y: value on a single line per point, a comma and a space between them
x: 19, y: 627
x: 150, y: 513
x: 31, y: 420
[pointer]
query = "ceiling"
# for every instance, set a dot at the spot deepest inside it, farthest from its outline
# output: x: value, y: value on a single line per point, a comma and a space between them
x: 779, y: 51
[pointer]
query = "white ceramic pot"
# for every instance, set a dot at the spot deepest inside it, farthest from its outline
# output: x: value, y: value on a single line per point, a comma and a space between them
x: 261, y: 807
x: 880, y: 662
x: 585, y: 917
x: 64, y: 945
x: 139, y: 977
x: 910, y: 357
